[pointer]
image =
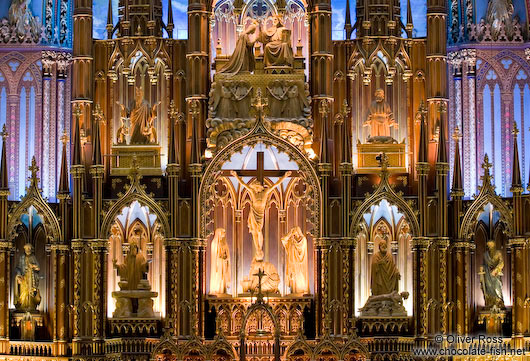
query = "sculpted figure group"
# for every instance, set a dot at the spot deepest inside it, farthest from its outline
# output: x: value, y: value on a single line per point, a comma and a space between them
x: 277, y: 48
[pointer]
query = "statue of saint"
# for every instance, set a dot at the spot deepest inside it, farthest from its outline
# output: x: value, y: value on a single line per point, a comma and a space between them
x: 27, y: 294
x: 123, y: 130
x: 259, y: 195
x: 133, y: 270
x: 277, y: 41
x: 491, y: 276
x: 220, y: 263
x: 295, y: 244
x: 385, y: 275
x: 380, y: 119
x: 500, y: 14
x: 142, y: 119
x: 242, y: 59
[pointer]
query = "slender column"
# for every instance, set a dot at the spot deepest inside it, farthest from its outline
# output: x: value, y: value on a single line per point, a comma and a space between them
x: 48, y: 137
x: 60, y: 337
x: 470, y: 151
x: 99, y: 252
x: 462, y: 251
x: 419, y: 254
x: 519, y: 291
x: 6, y: 249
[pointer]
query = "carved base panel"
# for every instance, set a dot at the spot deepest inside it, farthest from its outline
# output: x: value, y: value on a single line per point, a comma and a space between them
x: 147, y: 158
x: 383, y: 325
x: 134, y: 326
x: 27, y: 323
x: 367, y: 153
x: 230, y: 312
x: 493, y: 319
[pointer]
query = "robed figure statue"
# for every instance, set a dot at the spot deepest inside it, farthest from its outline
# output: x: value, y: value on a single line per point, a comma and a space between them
x: 242, y: 59
x: 295, y: 244
x: 142, y: 120
x: 277, y: 40
x: 380, y: 119
x: 385, y: 275
x: 132, y: 270
x: 219, y: 263
x: 27, y: 294
x: 491, y: 276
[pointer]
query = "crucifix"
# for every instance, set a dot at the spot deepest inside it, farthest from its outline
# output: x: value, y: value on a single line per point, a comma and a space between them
x: 260, y: 275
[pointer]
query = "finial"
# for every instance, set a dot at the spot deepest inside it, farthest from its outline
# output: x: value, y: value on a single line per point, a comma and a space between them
x: 64, y: 137
x: 77, y: 112
x: 172, y: 111
x: 457, y: 135
x: 486, y: 165
x: 194, y: 108
x: 442, y: 107
x: 98, y: 113
x: 34, y: 168
x: 422, y: 110
x: 382, y: 159
x: 345, y: 108
x: 4, y: 133
x: 515, y: 130
x: 324, y: 107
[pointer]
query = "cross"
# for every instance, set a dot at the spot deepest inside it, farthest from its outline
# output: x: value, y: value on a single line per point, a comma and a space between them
x: 259, y: 103
x: 260, y: 173
x: 260, y: 275
x: 515, y: 131
x: 486, y: 165
x: 383, y: 161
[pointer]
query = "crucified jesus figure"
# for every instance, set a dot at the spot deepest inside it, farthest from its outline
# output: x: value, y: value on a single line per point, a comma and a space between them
x: 259, y: 195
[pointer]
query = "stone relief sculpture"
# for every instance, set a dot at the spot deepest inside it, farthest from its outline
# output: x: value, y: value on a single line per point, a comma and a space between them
x: 385, y: 300
x: 230, y: 99
x: 380, y: 119
x: 134, y: 286
x: 295, y: 244
x: 490, y: 274
x: 27, y: 294
x: 242, y: 59
x: 220, y: 263
x: 287, y: 100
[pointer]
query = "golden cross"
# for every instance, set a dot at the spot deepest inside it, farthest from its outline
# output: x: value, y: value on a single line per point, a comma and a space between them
x: 4, y: 132
x: 64, y: 137
x: 515, y: 130
x: 259, y: 103
x: 260, y: 275
x: 457, y: 135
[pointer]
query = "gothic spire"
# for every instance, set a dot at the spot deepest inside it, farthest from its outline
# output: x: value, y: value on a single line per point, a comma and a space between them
x: 324, y: 111
x: 195, y: 155
x: 424, y: 143
x: 110, y: 23
x: 76, y: 159
x: 63, y: 178
x: 347, y: 22
x: 3, y: 163
x: 96, y: 155
x: 457, y: 171
x: 169, y: 26
x: 516, y: 170
x: 409, y: 16
x: 172, y: 156
x: 346, y: 145
x: 442, y: 147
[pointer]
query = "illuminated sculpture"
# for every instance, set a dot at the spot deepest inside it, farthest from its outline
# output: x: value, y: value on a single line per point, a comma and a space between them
x: 295, y: 244
x: 491, y: 276
x: 220, y: 263
x: 242, y: 59
x: 27, y: 294
x: 277, y: 40
x: 380, y: 119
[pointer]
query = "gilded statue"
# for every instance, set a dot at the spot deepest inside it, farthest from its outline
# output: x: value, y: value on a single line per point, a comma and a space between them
x: 220, y: 263
x: 380, y: 119
x: 27, y: 294
x: 277, y: 40
x: 123, y: 130
x: 259, y: 196
x: 295, y: 244
x: 133, y: 269
x: 500, y: 15
x: 385, y: 275
x: 491, y: 276
x: 242, y: 59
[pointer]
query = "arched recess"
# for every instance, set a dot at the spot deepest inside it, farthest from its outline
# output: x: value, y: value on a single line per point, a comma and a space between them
x: 245, y: 337
x: 259, y: 134
x: 384, y: 192
x: 486, y: 196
